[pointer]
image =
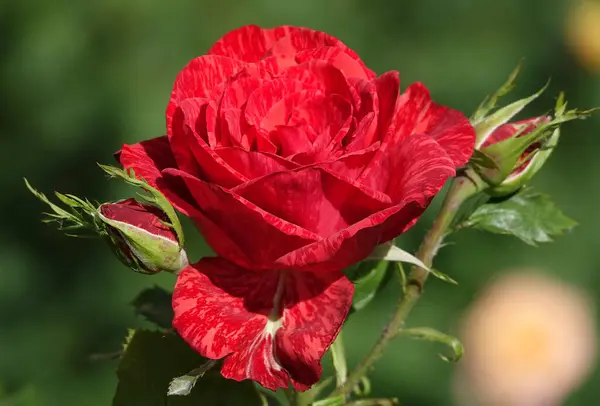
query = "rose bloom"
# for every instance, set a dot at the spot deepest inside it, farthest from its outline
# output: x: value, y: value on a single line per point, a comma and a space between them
x: 294, y: 160
x: 529, y: 341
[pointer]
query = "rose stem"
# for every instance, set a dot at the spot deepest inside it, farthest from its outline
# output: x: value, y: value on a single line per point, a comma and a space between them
x: 461, y: 189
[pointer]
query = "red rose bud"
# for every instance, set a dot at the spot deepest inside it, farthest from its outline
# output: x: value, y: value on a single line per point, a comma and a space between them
x: 507, y: 155
x: 141, y: 237
x: 518, y: 151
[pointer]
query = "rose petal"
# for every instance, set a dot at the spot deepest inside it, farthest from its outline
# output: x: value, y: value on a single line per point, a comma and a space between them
x: 450, y: 128
x: 352, y: 164
x: 509, y: 130
x: 235, y: 216
x: 262, y: 100
x: 231, y: 124
x: 352, y: 244
x: 199, y: 77
x: 292, y: 140
x: 254, y: 164
x: 188, y: 123
x: 323, y: 76
x: 330, y: 114
x: 221, y: 243
x: 248, y: 43
x: 147, y: 158
x: 388, y: 90
x: 269, y: 326
x: 143, y: 216
x: 313, y: 199
x: 347, y: 62
x: 415, y: 171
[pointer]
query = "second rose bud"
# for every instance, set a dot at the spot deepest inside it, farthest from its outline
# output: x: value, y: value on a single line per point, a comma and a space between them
x: 142, y: 238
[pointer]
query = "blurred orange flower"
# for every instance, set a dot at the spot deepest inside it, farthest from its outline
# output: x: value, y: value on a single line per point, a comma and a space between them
x: 583, y: 33
x: 529, y: 341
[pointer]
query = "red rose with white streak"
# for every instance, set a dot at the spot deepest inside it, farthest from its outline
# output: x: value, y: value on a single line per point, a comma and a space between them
x: 294, y: 160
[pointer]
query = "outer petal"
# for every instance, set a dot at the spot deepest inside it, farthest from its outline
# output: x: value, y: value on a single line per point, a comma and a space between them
x: 450, y: 128
x: 147, y: 158
x: 262, y: 236
x: 199, y: 78
x: 248, y: 43
x: 270, y: 325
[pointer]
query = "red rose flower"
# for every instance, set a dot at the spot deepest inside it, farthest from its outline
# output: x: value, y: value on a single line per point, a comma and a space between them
x: 295, y: 161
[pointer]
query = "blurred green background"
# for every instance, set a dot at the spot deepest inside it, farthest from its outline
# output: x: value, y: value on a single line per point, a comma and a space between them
x: 78, y: 79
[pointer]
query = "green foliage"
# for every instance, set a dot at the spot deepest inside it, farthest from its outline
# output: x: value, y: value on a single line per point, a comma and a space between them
x: 152, y: 359
x: 155, y: 305
x: 529, y: 216
x: 24, y: 396
x: 368, y: 279
x: 429, y: 334
x: 333, y: 401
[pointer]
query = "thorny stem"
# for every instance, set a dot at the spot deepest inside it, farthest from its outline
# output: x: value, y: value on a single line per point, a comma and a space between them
x: 373, y: 402
x: 461, y: 189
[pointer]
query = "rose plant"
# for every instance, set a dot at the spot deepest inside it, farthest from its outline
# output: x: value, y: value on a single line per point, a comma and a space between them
x: 295, y: 161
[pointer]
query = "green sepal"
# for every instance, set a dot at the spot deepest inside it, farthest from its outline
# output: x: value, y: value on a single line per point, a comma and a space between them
x: 79, y: 219
x: 506, y: 155
x: 490, y: 102
x: 155, y: 197
x: 484, y: 128
x: 154, y: 253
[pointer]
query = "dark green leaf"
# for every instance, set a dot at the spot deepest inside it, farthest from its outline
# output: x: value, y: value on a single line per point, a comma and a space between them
x: 530, y: 216
x: 369, y: 278
x: 155, y: 305
x: 152, y: 359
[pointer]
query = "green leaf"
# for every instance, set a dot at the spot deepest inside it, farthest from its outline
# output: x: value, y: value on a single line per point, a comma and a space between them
x: 155, y: 305
x: 367, y: 280
x: 338, y: 355
x: 183, y: 385
x: 429, y: 334
x: 333, y: 401
x: 152, y: 359
x: 531, y: 217
x: 442, y: 276
x: 307, y: 397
